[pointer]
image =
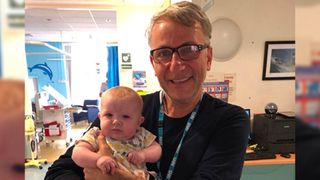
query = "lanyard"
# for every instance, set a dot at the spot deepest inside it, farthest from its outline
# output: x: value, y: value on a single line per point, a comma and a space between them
x: 160, y: 134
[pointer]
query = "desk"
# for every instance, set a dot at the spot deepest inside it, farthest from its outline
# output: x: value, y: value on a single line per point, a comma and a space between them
x: 270, y: 169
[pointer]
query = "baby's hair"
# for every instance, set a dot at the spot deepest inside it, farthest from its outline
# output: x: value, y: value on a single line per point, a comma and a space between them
x: 125, y: 92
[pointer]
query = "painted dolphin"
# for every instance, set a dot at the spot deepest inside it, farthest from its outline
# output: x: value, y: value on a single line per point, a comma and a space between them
x: 44, y: 68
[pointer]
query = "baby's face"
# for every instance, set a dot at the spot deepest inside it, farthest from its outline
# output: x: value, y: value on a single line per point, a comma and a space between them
x: 11, y: 129
x: 120, y: 118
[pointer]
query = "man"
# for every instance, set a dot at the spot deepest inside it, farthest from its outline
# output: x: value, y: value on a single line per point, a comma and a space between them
x: 307, y: 151
x: 201, y: 137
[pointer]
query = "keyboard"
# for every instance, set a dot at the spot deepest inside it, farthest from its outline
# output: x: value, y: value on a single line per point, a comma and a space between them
x: 259, y: 155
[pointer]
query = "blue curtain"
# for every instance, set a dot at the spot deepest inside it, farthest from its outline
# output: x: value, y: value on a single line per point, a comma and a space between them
x: 113, y: 67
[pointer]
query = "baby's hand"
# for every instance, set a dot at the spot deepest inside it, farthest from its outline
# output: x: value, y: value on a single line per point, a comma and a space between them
x: 136, y: 157
x: 106, y: 164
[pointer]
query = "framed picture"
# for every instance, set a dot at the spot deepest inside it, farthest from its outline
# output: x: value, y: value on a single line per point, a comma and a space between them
x: 279, y: 60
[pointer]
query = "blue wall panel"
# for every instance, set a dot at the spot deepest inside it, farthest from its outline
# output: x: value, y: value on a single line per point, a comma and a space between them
x: 47, y: 65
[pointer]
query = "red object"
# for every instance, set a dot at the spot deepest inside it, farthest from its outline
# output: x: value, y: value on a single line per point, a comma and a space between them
x: 52, y: 129
x: 316, y: 62
x: 49, y: 107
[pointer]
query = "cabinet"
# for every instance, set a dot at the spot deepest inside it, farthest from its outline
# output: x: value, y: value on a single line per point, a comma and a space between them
x: 56, y: 124
x: 276, y: 169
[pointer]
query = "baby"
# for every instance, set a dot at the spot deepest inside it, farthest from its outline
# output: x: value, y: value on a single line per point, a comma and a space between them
x: 131, y: 145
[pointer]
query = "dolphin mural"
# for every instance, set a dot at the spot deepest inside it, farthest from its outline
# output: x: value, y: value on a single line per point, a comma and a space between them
x: 46, y: 70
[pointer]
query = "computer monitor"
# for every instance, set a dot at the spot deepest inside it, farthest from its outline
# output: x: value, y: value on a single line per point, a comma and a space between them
x: 248, y: 112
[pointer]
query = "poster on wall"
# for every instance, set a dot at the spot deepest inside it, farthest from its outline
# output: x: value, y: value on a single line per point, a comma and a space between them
x: 126, y: 57
x: 139, y: 79
x: 218, y: 90
x: 307, y: 89
x: 222, y: 77
x: 231, y: 78
x: 126, y: 66
x: 126, y: 61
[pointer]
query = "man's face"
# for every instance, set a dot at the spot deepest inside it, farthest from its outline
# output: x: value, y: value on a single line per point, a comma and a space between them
x: 181, y: 80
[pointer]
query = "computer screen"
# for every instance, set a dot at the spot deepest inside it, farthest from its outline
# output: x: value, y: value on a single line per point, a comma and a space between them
x: 248, y: 112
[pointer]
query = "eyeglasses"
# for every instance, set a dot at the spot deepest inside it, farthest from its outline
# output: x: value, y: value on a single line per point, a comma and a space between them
x: 186, y: 52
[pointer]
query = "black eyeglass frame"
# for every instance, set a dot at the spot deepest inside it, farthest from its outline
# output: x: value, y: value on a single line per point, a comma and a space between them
x: 176, y: 49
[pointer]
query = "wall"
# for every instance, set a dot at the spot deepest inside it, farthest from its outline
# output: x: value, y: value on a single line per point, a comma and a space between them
x: 132, y: 22
x: 85, y: 78
x: 307, y: 30
x: 259, y: 21
x: 13, y: 55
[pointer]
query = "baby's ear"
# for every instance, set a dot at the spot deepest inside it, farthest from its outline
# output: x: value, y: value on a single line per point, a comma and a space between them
x: 141, y: 120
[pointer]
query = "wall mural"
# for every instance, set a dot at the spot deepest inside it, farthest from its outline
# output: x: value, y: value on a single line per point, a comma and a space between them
x: 47, y: 65
x: 46, y: 70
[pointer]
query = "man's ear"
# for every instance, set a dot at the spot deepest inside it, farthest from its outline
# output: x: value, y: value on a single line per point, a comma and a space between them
x: 152, y: 63
x: 151, y: 60
x: 99, y: 116
x: 209, y: 58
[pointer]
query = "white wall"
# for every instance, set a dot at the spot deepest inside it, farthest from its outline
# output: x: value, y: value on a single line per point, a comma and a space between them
x: 132, y: 22
x: 259, y: 21
x: 13, y: 54
x: 307, y: 31
x: 85, y: 80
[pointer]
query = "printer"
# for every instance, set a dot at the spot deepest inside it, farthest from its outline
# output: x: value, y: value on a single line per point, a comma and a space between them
x: 274, y: 132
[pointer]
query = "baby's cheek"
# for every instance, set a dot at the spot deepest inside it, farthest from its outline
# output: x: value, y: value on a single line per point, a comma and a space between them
x: 11, y: 129
x: 12, y: 147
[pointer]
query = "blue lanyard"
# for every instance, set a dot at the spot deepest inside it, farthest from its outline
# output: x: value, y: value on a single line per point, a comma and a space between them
x: 160, y: 134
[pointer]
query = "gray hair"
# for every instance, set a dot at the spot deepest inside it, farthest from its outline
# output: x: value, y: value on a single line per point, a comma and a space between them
x: 186, y: 13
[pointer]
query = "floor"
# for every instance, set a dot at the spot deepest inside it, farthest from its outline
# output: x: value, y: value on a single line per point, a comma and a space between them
x: 52, y: 150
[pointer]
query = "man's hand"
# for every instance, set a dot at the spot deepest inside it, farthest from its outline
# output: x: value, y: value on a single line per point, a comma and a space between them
x: 118, y: 174
x: 107, y: 165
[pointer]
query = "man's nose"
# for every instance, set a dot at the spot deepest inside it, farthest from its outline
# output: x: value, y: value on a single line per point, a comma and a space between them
x: 176, y: 63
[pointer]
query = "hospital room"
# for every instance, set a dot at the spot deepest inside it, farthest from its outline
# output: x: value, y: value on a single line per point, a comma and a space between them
x: 72, y: 52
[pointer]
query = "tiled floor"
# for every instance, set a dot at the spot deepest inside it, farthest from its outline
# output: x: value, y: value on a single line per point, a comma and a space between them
x: 52, y: 150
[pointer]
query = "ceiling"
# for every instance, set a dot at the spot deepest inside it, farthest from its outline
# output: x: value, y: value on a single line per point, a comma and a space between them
x: 69, y: 24
x: 74, y: 20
